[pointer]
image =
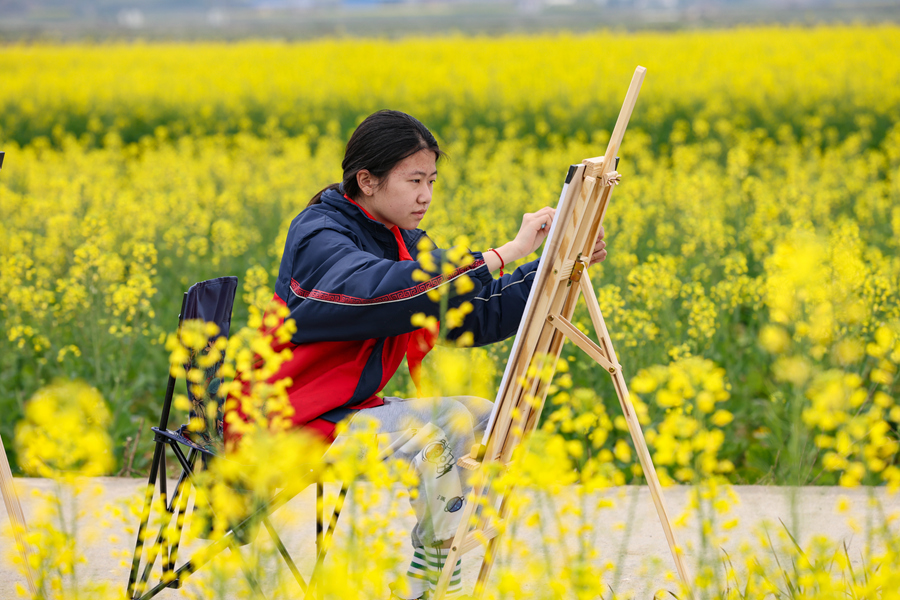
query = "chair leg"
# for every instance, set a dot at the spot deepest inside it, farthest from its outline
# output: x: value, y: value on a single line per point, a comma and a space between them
x: 180, y: 512
x: 284, y: 553
x: 320, y: 536
x: 230, y: 541
x: 324, y: 541
x: 162, y: 542
x: 145, y: 518
x: 191, y: 567
x: 176, y: 508
x: 248, y: 573
x: 165, y: 545
x: 320, y: 515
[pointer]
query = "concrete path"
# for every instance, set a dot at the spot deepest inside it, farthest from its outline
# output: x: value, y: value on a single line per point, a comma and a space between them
x: 627, y: 534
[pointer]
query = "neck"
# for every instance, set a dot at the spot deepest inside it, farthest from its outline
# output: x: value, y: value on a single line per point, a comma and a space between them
x: 362, y: 203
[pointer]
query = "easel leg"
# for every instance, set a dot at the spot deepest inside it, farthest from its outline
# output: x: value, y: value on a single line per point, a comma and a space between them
x: 14, y: 510
x: 634, y: 428
x: 461, y: 533
x: 491, y: 549
x: 656, y: 493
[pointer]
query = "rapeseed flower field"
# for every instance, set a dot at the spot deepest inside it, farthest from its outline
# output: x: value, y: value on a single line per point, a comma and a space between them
x: 751, y: 288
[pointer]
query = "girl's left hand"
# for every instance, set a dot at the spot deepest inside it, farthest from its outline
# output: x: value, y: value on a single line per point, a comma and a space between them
x: 599, y: 253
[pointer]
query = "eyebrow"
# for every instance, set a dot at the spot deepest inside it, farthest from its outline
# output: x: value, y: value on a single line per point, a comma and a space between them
x: 421, y: 173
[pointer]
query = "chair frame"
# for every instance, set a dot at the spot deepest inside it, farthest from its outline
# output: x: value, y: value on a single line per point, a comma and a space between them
x: 167, y: 546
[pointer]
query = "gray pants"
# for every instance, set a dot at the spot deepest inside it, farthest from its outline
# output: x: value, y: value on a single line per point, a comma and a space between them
x: 444, y: 429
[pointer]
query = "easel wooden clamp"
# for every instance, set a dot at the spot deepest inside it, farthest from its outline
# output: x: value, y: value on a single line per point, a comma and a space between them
x: 559, y: 282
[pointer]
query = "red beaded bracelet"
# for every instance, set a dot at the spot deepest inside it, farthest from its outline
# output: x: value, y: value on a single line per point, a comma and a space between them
x: 502, y: 263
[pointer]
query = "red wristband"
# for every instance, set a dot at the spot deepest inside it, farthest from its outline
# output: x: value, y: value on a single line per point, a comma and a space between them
x: 502, y: 263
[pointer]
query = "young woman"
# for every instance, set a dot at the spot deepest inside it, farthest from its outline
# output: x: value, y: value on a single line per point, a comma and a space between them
x: 351, y: 276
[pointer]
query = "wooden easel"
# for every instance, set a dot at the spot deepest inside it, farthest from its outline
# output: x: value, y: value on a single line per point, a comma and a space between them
x: 560, y: 280
x: 14, y: 510
x: 11, y: 499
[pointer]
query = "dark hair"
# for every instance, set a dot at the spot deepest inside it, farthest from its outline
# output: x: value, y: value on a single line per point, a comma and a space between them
x: 381, y: 141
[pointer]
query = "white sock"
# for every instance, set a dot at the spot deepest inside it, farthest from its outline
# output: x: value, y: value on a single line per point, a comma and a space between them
x: 425, y: 570
x: 437, y: 558
x: 417, y: 580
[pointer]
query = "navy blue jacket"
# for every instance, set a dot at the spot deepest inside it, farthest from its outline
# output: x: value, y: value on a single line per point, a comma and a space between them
x: 352, y: 299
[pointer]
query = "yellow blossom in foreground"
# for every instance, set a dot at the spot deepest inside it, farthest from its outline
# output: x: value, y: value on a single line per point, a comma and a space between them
x: 65, y: 432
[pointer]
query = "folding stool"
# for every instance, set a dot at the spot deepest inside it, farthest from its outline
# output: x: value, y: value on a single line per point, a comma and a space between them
x: 209, y: 301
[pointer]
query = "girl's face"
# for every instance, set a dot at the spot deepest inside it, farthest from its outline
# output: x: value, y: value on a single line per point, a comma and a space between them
x: 403, y: 196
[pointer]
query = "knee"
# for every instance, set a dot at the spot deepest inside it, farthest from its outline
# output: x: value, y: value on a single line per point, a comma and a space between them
x: 480, y: 410
x: 457, y: 417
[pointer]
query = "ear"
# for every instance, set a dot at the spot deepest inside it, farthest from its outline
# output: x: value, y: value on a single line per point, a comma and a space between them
x: 367, y: 182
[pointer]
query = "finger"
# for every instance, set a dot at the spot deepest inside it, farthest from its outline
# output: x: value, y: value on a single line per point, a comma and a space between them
x: 545, y: 213
x: 601, y: 233
x: 543, y: 221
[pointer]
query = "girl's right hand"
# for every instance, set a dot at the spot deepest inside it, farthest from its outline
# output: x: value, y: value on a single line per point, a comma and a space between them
x: 534, y: 230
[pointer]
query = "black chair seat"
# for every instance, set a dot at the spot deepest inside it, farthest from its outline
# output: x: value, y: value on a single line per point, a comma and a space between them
x: 177, y: 437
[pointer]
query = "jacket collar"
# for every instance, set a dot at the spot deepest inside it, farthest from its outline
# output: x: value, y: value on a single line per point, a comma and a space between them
x: 335, y: 199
